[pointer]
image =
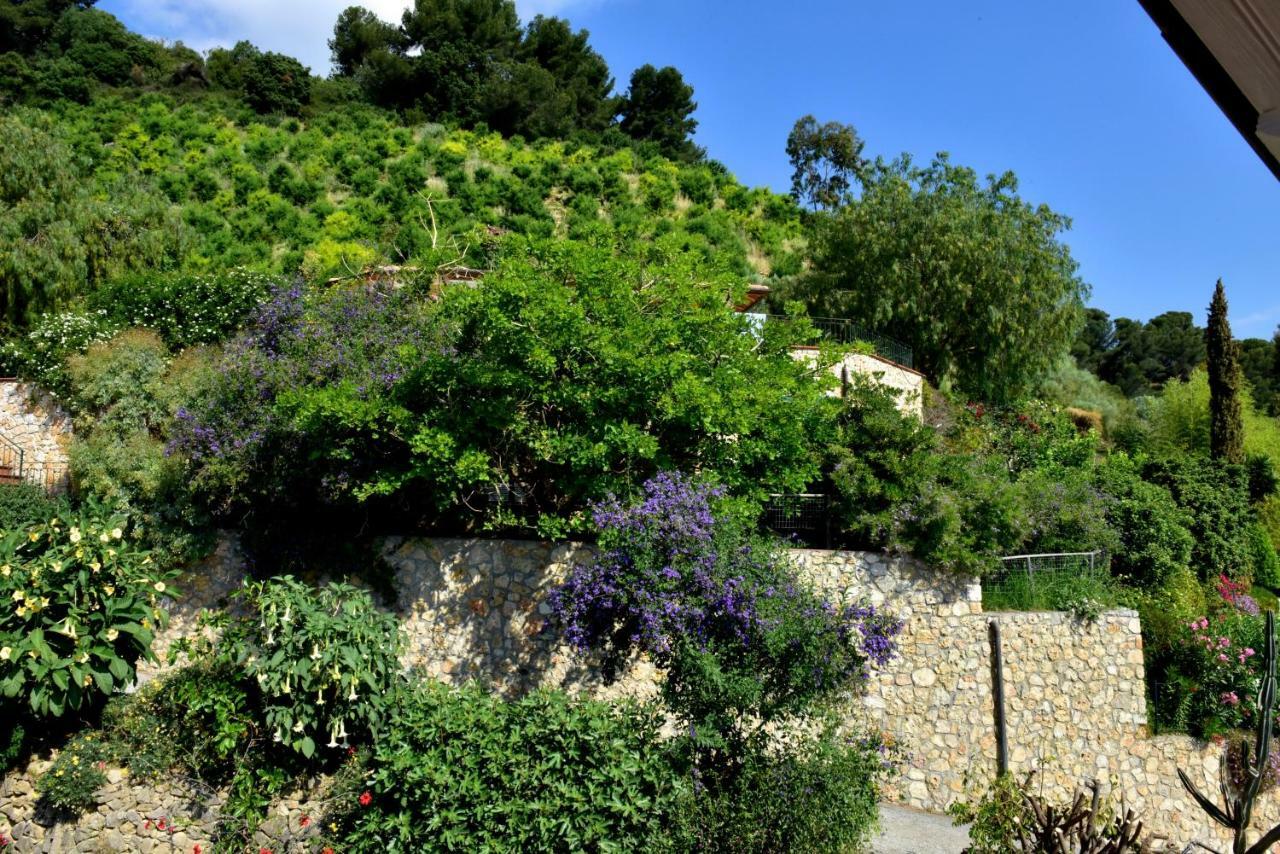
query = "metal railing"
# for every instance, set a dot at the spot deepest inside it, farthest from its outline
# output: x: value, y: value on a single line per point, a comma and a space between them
x: 12, y: 457
x: 1040, y: 578
x: 844, y: 331
x: 802, y: 516
x: 16, y: 466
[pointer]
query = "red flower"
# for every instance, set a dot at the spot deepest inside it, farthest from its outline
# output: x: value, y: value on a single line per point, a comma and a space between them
x: 326, y: 850
x: 304, y: 821
x: 366, y: 799
x: 197, y: 849
x: 160, y: 824
x: 264, y: 851
x: 146, y: 825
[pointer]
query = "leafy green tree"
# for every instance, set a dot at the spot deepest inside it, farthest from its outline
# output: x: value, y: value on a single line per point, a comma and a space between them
x: 1140, y: 357
x: 60, y: 240
x: 658, y: 108
x: 357, y: 34
x: 102, y: 46
x: 967, y: 273
x: 1226, y: 424
x: 825, y: 160
x: 1097, y: 338
x: 275, y: 83
x: 228, y: 69
x: 583, y: 86
x: 1257, y: 362
x: 460, y: 45
x: 25, y: 24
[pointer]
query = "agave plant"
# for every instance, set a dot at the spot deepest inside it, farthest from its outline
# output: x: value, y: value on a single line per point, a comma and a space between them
x: 1238, y: 796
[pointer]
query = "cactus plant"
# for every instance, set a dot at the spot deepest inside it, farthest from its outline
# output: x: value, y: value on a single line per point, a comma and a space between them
x: 1238, y: 799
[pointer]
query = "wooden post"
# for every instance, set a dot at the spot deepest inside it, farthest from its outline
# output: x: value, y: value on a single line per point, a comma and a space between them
x: 997, y: 698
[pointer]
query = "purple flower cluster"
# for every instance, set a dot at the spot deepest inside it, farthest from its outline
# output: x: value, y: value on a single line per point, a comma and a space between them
x: 351, y: 344
x: 672, y: 577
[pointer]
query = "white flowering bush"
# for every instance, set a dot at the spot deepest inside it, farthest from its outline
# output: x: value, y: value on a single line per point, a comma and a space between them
x: 79, y: 606
x: 186, y: 309
x: 324, y: 662
x: 41, y: 354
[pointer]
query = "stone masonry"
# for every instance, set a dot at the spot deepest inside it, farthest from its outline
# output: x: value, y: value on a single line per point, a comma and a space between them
x: 35, y: 423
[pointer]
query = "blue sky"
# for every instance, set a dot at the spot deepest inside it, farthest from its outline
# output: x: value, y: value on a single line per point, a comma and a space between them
x: 1083, y: 100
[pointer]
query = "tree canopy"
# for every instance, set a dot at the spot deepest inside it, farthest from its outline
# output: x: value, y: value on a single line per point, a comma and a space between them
x: 658, y: 107
x: 825, y: 160
x: 971, y: 276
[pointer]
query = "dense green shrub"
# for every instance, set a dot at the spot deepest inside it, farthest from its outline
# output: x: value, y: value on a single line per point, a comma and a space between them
x: 76, y: 775
x: 1152, y: 531
x: 85, y: 606
x: 196, y: 718
x: 318, y: 660
x: 124, y: 393
x: 820, y: 794
x: 24, y: 505
x: 185, y: 308
x: 898, y: 488
x: 1215, y: 497
x: 583, y: 372
x: 463, y: 770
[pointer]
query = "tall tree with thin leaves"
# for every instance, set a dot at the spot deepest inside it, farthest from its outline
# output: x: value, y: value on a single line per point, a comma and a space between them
x: 1226, y: 424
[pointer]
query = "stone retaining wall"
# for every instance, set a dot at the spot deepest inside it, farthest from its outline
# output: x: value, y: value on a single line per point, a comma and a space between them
x: 131, y: 816
x: 1075, y: 696
x: 35, y: 423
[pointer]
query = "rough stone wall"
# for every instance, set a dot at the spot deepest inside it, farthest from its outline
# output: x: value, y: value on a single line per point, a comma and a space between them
x: 129, y: 815
x: 34, y: 422
x: 1074, y: 692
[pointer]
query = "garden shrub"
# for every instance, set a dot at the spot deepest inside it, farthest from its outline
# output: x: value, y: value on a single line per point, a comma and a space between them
x: 197, y: 718
x: 819, y: 794
x: 23, y: 505
x: 898, y: 488
x: 77, y: 772
x: 458, y: 769
x: 1215, y: 498
x: 124, y: 392
x: 317, y: 660
x: 583, y: 374
x: 995, y: 814
x: 85, y: 608
x: 1153, y: 540
x: 40, y: 355
x: 744, y: 644
x: 1212, y: 672
x: 185, y: 309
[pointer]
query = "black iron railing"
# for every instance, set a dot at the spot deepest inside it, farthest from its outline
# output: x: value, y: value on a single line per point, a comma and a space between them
x: 804, y: 517
x: 844, y: 331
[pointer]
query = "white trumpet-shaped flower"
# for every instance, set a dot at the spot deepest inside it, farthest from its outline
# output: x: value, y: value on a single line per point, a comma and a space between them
x: 319, y: 697
x: 315, y: 651
x: 297, y: 727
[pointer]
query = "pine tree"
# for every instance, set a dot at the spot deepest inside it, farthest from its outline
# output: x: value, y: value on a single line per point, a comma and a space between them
x: 1226, y: 424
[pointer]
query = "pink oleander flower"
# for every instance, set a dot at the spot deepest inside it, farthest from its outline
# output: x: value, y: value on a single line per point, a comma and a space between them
x: 1230, y: 698
x: 1222, y: 656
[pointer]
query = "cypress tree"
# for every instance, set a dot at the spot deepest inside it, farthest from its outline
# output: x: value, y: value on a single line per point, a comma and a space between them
x: 1226, y: 424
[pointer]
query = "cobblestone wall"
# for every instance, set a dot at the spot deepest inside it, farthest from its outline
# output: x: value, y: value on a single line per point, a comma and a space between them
x: 1075, y: 697
x: 35, y: 423
x: 131, y: 816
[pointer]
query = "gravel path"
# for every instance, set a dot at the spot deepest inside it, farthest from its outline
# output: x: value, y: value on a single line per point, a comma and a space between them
x: 907, y: 831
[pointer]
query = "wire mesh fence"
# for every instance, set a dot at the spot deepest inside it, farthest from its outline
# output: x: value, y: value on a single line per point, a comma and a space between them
x: 1046, y: 582
x: 803, y: 517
